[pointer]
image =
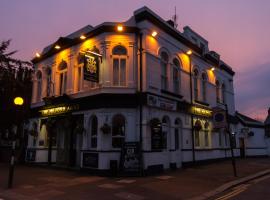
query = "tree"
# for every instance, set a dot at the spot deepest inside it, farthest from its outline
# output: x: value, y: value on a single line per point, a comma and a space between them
x: 15, y: 80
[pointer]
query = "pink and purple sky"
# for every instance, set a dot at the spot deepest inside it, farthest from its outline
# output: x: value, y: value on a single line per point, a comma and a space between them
x: 239, y: 30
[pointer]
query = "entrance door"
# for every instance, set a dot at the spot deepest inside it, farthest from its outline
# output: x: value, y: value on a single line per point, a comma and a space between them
x: 242, y: 147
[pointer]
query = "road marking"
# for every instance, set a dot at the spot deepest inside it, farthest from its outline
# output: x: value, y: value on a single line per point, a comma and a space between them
x: 129, y: 196
x: 110, y: 186
x: 126, y: 181
x: 164, y: 177
x: 232, y: 194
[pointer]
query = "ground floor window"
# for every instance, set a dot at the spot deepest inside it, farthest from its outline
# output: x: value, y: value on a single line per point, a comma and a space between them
x: 118, y: 131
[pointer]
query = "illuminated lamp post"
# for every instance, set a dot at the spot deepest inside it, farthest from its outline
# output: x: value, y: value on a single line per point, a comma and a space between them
x: 18, y: 102
x: 189, y: 53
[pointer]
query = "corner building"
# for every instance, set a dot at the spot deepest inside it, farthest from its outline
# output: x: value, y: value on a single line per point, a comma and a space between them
x: 150, y: 84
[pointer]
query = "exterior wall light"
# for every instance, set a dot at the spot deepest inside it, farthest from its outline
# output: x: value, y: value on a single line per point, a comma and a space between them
x: 37, y: 55
x: 189, y: 52
x: 82, y: 37
x: 213, y: 69
x: 154, y: 34
x: 18, y: 101
x: 120, y: 28
x: 57, y: 47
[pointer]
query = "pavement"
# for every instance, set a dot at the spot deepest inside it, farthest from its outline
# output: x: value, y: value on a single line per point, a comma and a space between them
x: 193, y: 183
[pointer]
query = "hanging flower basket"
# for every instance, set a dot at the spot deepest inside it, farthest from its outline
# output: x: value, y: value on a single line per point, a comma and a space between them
x: 106, y: 128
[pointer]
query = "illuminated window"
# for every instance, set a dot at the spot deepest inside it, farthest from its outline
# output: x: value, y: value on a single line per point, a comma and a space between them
x: 119, y: 65
x: 195, y: 82
x: 197, y: 130
x: 94, y: 131
x: 39, y: 85
x: 176, y: 76
x: 62, y: 68
x: 204, y: 85
x: 223, y: 88
x: 118, y: 131
x: 164, y: 63
x: 218, y: 91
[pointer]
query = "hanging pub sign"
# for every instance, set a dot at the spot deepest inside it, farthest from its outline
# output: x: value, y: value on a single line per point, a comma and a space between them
x: 219, y: 118
x: 156, y: 134
x: 130, y: 162
x: 91, y: 66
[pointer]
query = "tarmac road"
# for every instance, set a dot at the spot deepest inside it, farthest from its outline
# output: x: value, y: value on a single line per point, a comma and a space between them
x: 257, y: 189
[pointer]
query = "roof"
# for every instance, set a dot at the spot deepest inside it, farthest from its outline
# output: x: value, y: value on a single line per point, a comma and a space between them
x: 247, y: 121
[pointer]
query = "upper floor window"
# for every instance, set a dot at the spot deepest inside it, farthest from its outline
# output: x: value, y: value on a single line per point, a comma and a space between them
x: 62, y: 68
x: 164, y: 74
x: 49, y: 81
x: 195, y: 82
x: 218, y: 91
x: 119, y: 65
x: 204, y: 85
x: 223, y: 88
x: 176, y: 76
x: 118, y: 131
x: 39, y: 85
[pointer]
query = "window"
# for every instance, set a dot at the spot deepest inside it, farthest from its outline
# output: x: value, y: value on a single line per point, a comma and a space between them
x: 119, y: 66
x: 49, y: 81
x: 62, y: 77
x: 223, y: 93
x: 204, y: 82
x: 177, y: 133
x: 176, y: 76
x: 39, y: 85
x: 195, y: 82
x: 165, y: 130
x: 218, y: 91
x: 118, y: 131
x: 206, y: 134
x: 79, y: 78
x: 94, y: 131
x: 164, y: 63
x: 220, y: 138
x: 197, y: 129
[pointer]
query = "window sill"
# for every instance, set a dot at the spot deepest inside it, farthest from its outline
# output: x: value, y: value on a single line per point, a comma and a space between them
x: 171, y: 93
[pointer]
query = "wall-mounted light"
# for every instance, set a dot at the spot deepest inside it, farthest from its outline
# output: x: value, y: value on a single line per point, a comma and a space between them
x: 154, y: 34
x: 57, y: 47
x: 37, y: 55
x: 189, y: 52
x: 82, y: 37
x: 213, y: 69
x: 120, y: 28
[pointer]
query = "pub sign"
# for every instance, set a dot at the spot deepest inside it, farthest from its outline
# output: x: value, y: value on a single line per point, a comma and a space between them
x: 91, y: 66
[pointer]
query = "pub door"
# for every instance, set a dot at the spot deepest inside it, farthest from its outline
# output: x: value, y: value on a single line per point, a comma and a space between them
x: 242, y: 147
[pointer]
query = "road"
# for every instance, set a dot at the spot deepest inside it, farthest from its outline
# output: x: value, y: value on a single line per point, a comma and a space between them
x: 257, y: 189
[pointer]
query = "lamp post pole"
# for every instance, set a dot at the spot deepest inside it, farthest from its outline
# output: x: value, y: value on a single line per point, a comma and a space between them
x: 191, y: 103
x: 18, y: 101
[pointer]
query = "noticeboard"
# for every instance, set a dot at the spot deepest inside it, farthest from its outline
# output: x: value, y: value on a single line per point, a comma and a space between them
x: 130, y: 163
x: 90, y: 160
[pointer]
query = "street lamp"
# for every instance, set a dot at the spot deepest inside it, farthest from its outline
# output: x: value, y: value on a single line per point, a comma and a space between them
x: 189, y: 53
x: 18, y: 101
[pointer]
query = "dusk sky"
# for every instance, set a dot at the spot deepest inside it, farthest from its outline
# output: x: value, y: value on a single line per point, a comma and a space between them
x: 239, y: 30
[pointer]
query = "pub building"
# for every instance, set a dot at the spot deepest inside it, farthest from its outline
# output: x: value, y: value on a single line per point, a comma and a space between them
x: 130, y: 96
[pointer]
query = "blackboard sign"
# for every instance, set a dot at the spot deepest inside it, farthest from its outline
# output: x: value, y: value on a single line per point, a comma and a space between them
x: 90, y: 160
x: 31, y: 155
x: 130, y: 158
x: 156, y: 135
x: 91, y: 67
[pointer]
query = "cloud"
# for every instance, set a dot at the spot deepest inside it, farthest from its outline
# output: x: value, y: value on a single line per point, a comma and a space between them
x: 252, y: 89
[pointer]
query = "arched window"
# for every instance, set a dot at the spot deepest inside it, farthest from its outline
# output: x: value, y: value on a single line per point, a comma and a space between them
x: 49, y: 80
x: 197, y: 129
x: 176, y: 76
x: 62, y: 69
x: 177, y: 133
x: 223, y: 88
x: 204, y: 85
x: 195, y: 82
x: 39, y: 85
x: 206, y: 134
x: 165, y: 131
x: 118, y: 131
x: 93, y: 131
x: 164, y: 74
x: 119, y: 65
x: 218, y: 91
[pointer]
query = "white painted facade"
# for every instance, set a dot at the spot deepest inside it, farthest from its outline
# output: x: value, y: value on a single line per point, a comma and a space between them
x: 166, y: 86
